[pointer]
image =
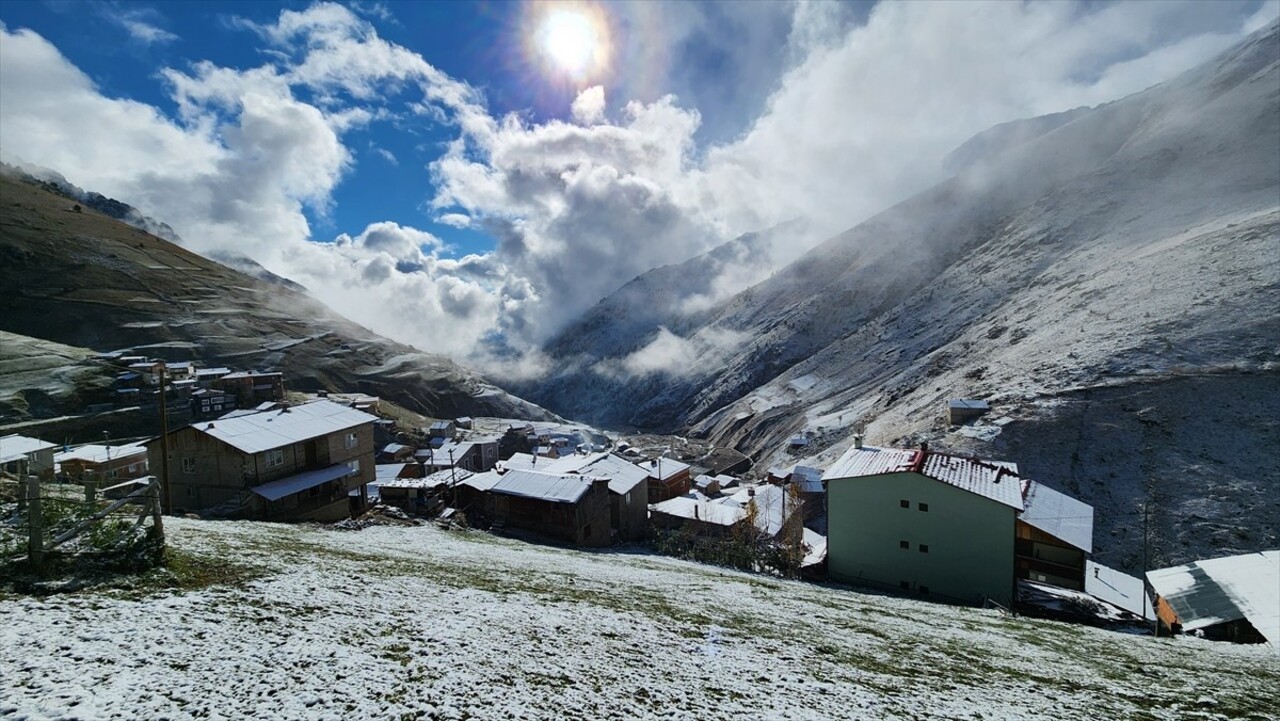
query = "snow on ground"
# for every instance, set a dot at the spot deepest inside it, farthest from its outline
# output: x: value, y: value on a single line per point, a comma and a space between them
x: 423, y: 623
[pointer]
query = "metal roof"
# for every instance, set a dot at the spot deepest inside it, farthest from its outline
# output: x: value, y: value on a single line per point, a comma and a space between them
x: 996, y: 480
x: 552, y: 487
x: 258, y: 432
x: 669, y: 467
x: 1206, y: 593
x: 434, y: 480
x: 699, y: 509
x: 970, y: 404
x: 808, y: 478
x: 289, y: 485
x: 623, y: 475
x: 1118, y: 589
x: 15, y: 447
x: 1058, y: 515
x: 482, y: 481
x: 385, y: 472
x: 98, y: 453
x: 521, y: 461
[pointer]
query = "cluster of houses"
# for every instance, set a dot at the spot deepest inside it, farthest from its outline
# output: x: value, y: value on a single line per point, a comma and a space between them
x: 953, y: 528
x: 191, y: 391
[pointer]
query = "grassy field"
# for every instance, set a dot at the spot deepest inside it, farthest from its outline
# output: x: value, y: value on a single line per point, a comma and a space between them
x: 303, y: 622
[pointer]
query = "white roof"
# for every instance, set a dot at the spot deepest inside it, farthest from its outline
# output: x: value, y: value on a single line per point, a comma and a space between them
x: 699, y: 509
x: 1206, y: 593
x: 623, y: 475
x: 668, y: 466
x: 97, y: 453
x: 275, y: 490
x: 809, y: 479
x: 394, y: 448
x: 433, y: 480
x: 770, y: 502
x: 815, y: 547
x: 996, y: 480
x: 482, y: 481
x: 552, y: 487
x: 258, y: 432
x: 522, y: 461
x: 388, y: 471
x: 1118, y: 589
x: 1058, y: 515
x: 16, y: 447
x: 440, y: 456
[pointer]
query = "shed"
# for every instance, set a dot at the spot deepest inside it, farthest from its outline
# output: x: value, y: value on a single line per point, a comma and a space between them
x: 1236, y: 598
x: 960, y: 410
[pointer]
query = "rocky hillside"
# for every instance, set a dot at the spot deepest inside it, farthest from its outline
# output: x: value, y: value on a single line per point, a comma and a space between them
x: 84, y: 279
x: 1127, y: 251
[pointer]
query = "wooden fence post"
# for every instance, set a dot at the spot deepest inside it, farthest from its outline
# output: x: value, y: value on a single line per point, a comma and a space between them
x: 35, y: 525
x: 90, y: 493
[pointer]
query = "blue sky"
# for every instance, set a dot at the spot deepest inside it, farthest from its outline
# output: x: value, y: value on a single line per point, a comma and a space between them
x: 469, y: 177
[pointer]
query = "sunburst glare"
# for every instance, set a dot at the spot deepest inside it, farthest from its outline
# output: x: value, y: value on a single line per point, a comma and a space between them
x: 570, y: 40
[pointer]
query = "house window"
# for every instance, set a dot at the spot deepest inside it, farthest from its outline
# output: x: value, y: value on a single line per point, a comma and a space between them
x: 924, y: 507
x: 274, y: 458
x: 354, y: 466
x: 351, y: 440
x: 188, y: 465
x: 904, y: 545
x: 191, y: 492
x: 904, y: 503
x: 924, y: 548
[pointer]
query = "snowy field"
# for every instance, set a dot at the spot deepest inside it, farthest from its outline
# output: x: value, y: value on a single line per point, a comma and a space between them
x: 415, y: 622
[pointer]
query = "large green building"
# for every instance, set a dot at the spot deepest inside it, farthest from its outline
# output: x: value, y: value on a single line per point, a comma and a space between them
x: 929, y: 523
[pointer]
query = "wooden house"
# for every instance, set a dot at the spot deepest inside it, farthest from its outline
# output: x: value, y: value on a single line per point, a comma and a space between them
x: 1236, y: 598
x: 571, y: 508
x: 668, y: 478
x: 303, y: 462
x: 103, y: 464
x: 1054, y: 537
x: 251, y: 387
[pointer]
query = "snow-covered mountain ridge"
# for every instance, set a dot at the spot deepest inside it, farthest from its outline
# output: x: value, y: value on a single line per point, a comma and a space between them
x: 1135, y: 244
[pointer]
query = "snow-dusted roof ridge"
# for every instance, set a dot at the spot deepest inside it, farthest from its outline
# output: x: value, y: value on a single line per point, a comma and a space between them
x: 1206, y: 593
x: 265, y: 430
x: 996, y: 480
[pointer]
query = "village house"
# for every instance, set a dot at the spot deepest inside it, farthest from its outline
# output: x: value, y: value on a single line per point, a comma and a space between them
x: 420, y: 496
x: 962, y: 410
x: 1054, y: 537
x: 1236, y: 598
x: 478, y: 456
x: 923, y: 522
x: 251, y: 387
x: 306, y: 462
x: 22, y: 456
x: 386, y: 472
x: 702, y: 516
x: 102, y: 463
x: 206, y: 376
x: 628, y: 491
x: 568, y: 507
x: 442, y: 429
x: 668, y: 478
x: 396, y: 453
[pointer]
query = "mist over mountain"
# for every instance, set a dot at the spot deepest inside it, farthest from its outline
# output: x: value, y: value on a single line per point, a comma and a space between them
x: 1132, y: 244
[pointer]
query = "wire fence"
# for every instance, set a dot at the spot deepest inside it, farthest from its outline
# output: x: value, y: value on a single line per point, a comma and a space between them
x: 46, y: 525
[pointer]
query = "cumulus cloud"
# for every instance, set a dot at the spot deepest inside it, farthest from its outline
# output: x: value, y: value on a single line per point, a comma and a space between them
x: 861, y: 113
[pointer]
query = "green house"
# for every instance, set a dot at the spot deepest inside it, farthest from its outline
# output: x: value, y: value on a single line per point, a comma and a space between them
x: 922, y: 522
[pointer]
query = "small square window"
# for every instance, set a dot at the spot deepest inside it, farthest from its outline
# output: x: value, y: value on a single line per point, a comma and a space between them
x: 904, y: 503
x: 351, y: 440
x: 924, y: 548
x: 924, y: 507
x: 274, y: 458
x: 904, y: 545
x: 188, y: 465
x: 904, y: 584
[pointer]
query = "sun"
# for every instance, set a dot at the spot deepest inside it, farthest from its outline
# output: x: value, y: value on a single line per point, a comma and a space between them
x: 570, y: 40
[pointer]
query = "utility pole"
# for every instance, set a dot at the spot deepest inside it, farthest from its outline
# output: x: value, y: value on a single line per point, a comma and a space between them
x: 165, y: 506
x: 453, y: 473
x: 1146, y: 536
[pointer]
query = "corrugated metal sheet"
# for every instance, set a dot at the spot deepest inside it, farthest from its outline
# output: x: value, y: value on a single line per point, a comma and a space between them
x: 720, y: 514
x: 98, y: 453
x: 543, y: 486
x: 482, y: 481
x: 258, y: 432
x: 1118, y: 589
x: 1058, y: 515
x: 996, y: 480
x: 809, y: 479
x: 1206, y: 593
x: 288, y: 485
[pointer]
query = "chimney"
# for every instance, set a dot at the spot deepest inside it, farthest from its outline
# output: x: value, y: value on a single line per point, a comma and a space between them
x: 924, y: 446
x: 857, y: 441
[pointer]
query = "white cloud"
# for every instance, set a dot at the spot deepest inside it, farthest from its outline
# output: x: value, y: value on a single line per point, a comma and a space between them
x: 860, y: 119
x: 141, y: 23
x: 386, y: 155
x: 588, y: 107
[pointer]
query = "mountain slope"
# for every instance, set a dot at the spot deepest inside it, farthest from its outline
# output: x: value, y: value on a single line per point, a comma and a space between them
x: 84, y: 279
x: 1132, y: 243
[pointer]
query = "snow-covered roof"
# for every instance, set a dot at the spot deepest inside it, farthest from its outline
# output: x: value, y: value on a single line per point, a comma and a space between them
x: 973, y: 405
x: 249, y: 374
x: 482, y: 481
x: 1058, y: 515
x: 699, y: 509
x: 809, y: 479
x: 433, y: 480
x: 440, y: 456
x: 815, y: 548
x: 554, y: 487
x: 386, y: 472
x: 668, y: 466
x: 394, y: 448
x: 521, y: 461
x: 1118, y: 589
x: 623, y: 475
x: 212, y: 371
x: 258, y: 432
x: 996, y: 480
x: 441, y: 425
x: 98, y: 453
x: 16, y: 447
x: 1206, y: 593
x: 275, y: 490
